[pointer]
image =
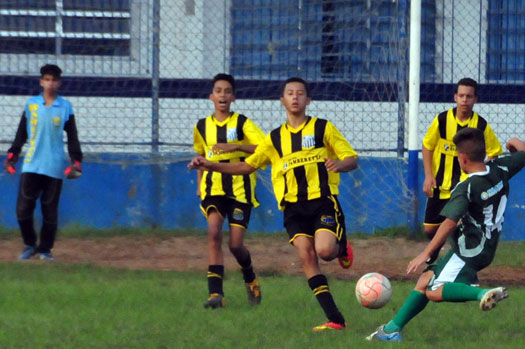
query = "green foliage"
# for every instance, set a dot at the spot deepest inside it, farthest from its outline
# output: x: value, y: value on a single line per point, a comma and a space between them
x: 82, y: 306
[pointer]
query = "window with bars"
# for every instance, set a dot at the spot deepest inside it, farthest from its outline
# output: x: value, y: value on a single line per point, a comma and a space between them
x: 506, y: 41
x: 326, y: 40
x: 65, y: 27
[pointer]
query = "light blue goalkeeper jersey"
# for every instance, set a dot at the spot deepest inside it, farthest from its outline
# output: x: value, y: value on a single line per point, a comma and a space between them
x: 45, y: 131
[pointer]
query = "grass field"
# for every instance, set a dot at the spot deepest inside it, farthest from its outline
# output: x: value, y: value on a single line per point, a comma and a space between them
x: 82, y: 306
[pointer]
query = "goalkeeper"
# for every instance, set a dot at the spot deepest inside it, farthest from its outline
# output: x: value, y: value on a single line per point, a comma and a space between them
x: 44, y: 118
x: 473, y: 221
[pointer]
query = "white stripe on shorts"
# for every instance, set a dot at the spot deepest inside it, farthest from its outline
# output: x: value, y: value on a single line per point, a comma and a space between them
x: 449, y: 273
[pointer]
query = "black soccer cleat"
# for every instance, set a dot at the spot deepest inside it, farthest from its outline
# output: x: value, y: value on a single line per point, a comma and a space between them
x: 214, y: 301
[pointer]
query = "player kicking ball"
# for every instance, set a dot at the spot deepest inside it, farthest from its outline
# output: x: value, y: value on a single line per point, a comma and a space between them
x: 307, y: 154
x: 473, y: 220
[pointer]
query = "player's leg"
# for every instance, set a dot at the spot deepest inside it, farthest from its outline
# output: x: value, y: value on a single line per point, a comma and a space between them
x: 239, y: 217
x: 432, y: 221
x: 330, y: 232
x: 212, y: 209
x: 318, y: 283
x: 28, y: 193
x: 49, y: 204
x: 414, y: 304
x: 454, y: 283
x: 298, y: 220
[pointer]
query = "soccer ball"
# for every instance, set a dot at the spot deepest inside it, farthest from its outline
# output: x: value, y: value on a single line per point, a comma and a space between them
x: 373, y: 290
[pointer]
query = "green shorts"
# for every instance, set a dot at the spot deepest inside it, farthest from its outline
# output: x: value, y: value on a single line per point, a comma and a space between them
x: 451, y: 268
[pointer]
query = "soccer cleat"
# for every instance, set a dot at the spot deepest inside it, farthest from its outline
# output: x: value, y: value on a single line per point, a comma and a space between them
x: 254, y: 292
x: 46, y: 256
x: 346, y: 261
x: 27, y: 253
x: 492, y: 297
x: 214, y: 301
x: 381, y: 335
x: 329, y: 326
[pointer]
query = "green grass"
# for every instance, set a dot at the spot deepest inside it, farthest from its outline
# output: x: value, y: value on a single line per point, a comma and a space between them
x: 82, y: 306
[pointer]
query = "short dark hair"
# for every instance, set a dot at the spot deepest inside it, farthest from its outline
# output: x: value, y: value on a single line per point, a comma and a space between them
x: 51, y: 69
x: 468, y: 82
x: 296, y: 79
x: 471, y: 141
x: 225, y: 77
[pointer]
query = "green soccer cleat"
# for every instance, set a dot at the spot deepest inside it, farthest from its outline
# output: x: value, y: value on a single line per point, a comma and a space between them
x: 254, y: 292
x: 214, y: 301
x: 492, y: 297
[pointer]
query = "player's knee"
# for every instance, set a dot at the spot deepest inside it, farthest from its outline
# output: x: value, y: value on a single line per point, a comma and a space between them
x: 235, y: 248
x: 434, y: 296
x: 24, y: 212
x: 430, y: 230
x: 326, y: 253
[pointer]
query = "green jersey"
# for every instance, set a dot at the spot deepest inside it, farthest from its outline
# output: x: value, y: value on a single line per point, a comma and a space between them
x: 478, y: 203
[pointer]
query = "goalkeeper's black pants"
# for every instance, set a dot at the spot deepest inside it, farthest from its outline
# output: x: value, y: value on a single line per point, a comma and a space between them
x: 32, y: 187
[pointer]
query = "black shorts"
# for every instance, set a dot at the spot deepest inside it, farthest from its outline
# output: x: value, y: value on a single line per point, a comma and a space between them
x: 238, y: 213
x: 433, y: 210
x: 307, y: 217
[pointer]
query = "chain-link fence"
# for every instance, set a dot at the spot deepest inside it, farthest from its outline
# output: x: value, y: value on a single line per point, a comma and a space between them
x: 138, y: 73
x: 353, y: 52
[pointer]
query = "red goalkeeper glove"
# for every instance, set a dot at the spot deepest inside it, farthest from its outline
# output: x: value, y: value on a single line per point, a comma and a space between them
x: 74, y: 170
x: 9, y: 163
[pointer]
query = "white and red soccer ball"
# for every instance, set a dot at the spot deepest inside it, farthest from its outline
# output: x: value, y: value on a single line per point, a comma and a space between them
x: 373, y: 290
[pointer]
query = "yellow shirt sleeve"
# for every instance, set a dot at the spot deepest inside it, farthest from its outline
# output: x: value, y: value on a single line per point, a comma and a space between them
x: 337, y: 143
x: 254, y: 135
x: 432, y: 137
x: 198, y: 142
x: 491, y: 142
x: 262, y: 155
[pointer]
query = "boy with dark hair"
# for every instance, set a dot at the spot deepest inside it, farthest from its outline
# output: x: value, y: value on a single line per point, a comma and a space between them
x: 226, y: 137
x: 440, y: 159
x: 306, y: 154
x: 43, y: 121
x: 473, y: 221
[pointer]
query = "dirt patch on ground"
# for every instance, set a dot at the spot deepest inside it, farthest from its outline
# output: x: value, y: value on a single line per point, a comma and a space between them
x: 270, y: 255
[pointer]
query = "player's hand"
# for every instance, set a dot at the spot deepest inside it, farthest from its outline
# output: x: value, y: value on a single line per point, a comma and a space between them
x: 332, y: 165
x: 9, y: 163
x: 221, y: 148
x: 429, y: 185
x: 514, y: 144
x: 74, y: 170
x: 198, y: 163
x: 416, y: 262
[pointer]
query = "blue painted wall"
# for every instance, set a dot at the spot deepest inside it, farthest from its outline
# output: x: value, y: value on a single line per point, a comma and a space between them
x: 373, y: 197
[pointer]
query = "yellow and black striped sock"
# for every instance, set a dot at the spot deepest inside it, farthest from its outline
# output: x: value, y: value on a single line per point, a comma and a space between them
x: 319, y: 286
x: 215, y: 276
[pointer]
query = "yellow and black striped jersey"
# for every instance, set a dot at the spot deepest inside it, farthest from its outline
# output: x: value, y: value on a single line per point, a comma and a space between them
x: 297, y: 158
x: 445, y: 164
x: 236, y: 129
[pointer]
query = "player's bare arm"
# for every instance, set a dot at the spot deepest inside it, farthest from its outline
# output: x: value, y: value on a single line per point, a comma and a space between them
x: 347, y: 165
x: 437, y: 241
x: 514, y: 145
x: 221, y: 148
x: 235, y: 168
x: 430, y: 181
x: 199, y: 178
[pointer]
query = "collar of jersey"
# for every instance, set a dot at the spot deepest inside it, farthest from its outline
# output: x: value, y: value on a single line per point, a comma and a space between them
x: 56, y: 102
x: 482, y: 173
x: 222, y: 123
x: 295, y: 130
